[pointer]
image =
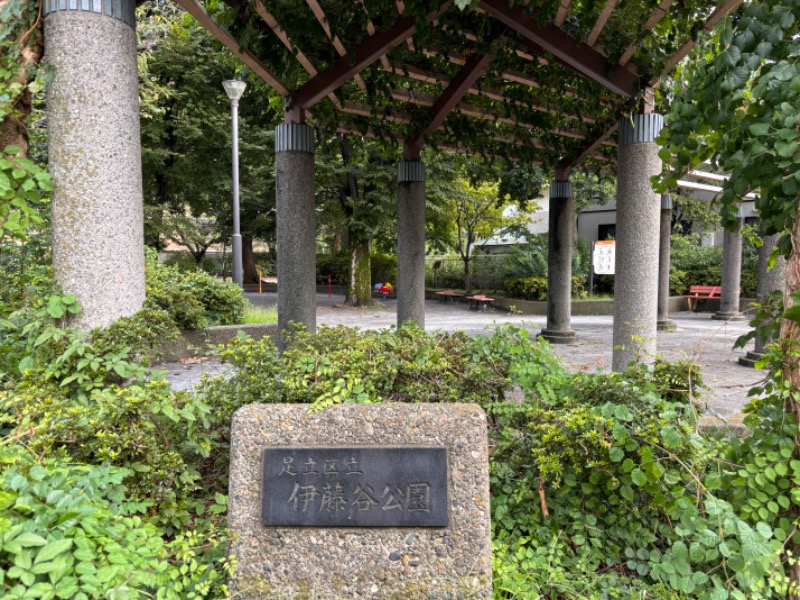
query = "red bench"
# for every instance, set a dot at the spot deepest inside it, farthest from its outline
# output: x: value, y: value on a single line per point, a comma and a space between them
x: 702, y: 292
x: 479, y: 301
x: 448, y: 296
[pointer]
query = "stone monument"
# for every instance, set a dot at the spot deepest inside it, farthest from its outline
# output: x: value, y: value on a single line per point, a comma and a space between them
x: 369, y: 501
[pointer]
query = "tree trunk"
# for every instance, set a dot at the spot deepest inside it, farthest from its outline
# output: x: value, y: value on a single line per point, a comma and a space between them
x: 467, y: 274
x: 13, y: 129
x: 359, y: 285
x: 336, y: 241
x: 199, y: 255
x: 249, y: 271
x: 790, y: 335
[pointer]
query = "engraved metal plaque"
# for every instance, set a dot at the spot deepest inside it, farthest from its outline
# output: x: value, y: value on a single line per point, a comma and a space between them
x: 354, y: 487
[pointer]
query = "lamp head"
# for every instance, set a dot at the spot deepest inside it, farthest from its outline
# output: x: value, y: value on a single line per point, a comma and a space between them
x: 234, y: 88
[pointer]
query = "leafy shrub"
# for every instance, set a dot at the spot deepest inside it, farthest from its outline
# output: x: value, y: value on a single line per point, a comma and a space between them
x: 526, y: 260
x: 69, y: 531
x: 383, y: 268
x: 346, y: 365
x: 535, y: 288
x: 626, y: 488
x: 193, y: 299
x: 185, y: 262
x: 335, y: 265
x: 38, y: 346
x: 692, y: 264
x: 173, y: 445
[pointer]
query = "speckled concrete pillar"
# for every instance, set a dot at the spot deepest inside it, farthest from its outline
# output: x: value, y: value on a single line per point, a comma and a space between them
x: 663, y: 321
x: 769, y: 281
x: 94, y: 153
x: 637, y: 247
x: 731, y: 276
x: 411, y: 242
x: 296, y: 223
x: 559, y: 264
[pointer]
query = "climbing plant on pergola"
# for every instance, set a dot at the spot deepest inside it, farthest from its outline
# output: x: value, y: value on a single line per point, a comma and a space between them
x: 543, y: 81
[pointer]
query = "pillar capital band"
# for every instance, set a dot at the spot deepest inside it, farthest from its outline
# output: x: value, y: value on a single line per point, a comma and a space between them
x: 122, y: 10
x: 666, y: 202
x: 640, y: 129
x: 294, y: 137
x: 410, y: 170
x: 560, y: 189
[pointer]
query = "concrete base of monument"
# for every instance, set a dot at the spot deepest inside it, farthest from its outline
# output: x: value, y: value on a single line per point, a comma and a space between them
x: 414, y: 478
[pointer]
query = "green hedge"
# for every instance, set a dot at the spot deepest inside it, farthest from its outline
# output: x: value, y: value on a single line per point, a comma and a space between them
x: 193, y: 299
x: 535, y: 288
x: 383, y: 267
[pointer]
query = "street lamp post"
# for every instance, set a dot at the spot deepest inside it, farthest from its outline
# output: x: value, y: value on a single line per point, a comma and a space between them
x: 235, y: 88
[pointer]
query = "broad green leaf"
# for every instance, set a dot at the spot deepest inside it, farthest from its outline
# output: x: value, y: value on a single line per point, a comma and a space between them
x: 30, y: 539
x: 53, y: 549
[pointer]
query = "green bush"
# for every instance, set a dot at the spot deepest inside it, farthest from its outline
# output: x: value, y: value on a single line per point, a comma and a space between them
x: 535, y: 288
x: 383, y: 268
x: 346, y: 365
x: 185, y: 262
x: 67, y: 532
x: 193, y: 299
x: 171, y: 443
x: 604, y: 481
x: 70, y: 531
x: 335, y: 265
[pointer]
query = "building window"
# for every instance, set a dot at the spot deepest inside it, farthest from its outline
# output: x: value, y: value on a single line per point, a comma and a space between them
x: 607, y: 232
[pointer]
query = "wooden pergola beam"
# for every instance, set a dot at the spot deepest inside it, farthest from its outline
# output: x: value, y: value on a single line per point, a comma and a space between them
x: 194, y: 8
x: 334, y: 39
x: 561, y: 15
x: 473, y: 111
x: 601, y: 22
x: 354, y: 62
x: 419, y: 74
x: 722, y: 10
x: 273, y: 24
x: 657, y: 15
x: 304, y: 61
x: 445, y: 103
x: 582, y: 59
x: 590, y: 147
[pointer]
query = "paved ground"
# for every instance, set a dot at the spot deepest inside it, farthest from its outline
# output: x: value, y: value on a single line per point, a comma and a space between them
x: 698, y: 338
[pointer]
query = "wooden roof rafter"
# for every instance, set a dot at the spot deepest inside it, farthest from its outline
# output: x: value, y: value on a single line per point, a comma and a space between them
x: 657, y: 15
x: 565, y: 49
x: 334, y: 39
x: 608, y: 8
x: 525, y: 91
x: 353, y: 63
x: 445, y: 103
x: 304, y: 61
x: 194, y: 8
x: 562, y: 12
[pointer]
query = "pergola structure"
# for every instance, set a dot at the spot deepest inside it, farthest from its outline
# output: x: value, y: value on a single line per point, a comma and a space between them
x: 556, y: 82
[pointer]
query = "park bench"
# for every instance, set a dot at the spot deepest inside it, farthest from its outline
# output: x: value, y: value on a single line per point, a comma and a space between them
x: 479, y: 301
x: 702, y: 292
x: 448, y: 296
